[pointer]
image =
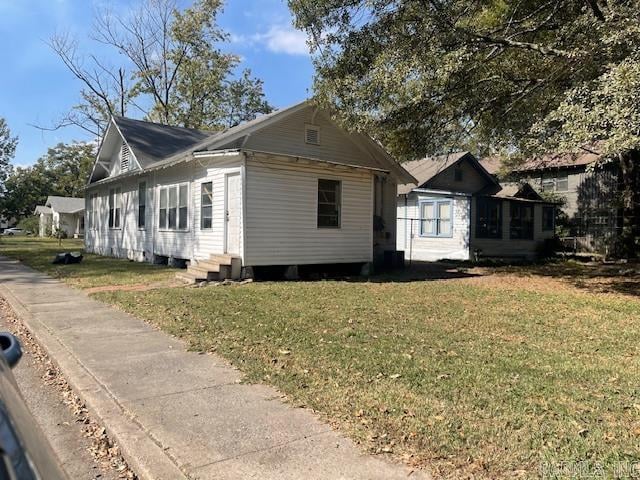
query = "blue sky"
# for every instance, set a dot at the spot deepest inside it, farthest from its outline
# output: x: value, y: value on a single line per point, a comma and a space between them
x: 35, y: 88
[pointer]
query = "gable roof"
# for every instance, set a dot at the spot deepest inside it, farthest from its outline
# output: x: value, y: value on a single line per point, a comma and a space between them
x: 550, y: 161
x: 427, y: 168
x: 152, y: 142
x: 42, y: 209
x: 158, y: 146
x: 65, y: 204
x: 518, y: 190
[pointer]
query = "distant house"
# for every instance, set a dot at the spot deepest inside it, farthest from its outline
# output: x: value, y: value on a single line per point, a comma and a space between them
x: 288, y: 189
x: 591, y: 217
x: 61, y: 214
x: 457, y: 210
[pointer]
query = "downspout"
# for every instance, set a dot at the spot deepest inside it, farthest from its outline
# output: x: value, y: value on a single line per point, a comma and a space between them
x: 154, y: 210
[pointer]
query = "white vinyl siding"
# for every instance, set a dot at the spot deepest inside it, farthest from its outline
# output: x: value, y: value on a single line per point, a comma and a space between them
x: 288, y: 136
x: 281, y: 223
x: 413, y: 227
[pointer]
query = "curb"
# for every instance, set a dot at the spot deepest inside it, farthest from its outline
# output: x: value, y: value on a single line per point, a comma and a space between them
x: 145, y: 457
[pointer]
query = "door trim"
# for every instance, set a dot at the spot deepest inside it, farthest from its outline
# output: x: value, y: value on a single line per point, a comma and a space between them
x: 226, y: 213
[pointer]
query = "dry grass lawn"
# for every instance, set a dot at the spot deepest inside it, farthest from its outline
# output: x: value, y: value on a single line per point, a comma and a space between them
x: 483, y: 372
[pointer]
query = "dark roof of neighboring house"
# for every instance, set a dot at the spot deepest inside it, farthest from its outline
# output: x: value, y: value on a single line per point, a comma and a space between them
x: 427, y: 168
x: 65, y: 204
x: 153, y: 142
x: 519, y: 190
x: 555, y: 160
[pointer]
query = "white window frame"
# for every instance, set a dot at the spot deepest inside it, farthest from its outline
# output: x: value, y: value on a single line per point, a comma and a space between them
x: 436, y: 202
x: 339, y: 195
x: 93, y: 210
x: 202, y: 206
x: 146, y: 203
x: 117, y: 199
x: 164, y: 190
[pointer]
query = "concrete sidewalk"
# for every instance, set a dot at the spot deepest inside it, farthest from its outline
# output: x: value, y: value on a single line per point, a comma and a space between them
x: 178, y: 414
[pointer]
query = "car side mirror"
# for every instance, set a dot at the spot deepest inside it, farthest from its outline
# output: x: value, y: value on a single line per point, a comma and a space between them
x: 11, y: 349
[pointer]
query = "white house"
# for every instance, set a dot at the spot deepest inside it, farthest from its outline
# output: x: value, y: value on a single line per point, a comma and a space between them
x: 457, y: 210
x: 61, y: 214
x: 290, y: 188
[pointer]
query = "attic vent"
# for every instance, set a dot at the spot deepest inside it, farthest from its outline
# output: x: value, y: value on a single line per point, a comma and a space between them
x: 125, y: 156
x: 312, y: 134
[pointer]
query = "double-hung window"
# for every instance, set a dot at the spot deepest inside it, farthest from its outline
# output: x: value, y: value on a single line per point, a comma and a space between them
x: 91, y: 215
x: 173, y: 211
x: 115, y: 207
x: 436, y: 218
x: 521, y: 226
x: 558, y: 182
x: 548, y: 218
x: 142, y: 204
x: 329, y: 203
x: 488, y: 218
x: 206, y: 205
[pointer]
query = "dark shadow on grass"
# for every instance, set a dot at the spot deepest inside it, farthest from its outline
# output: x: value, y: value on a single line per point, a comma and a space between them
x: 594, y: 277
x: 425, y: 271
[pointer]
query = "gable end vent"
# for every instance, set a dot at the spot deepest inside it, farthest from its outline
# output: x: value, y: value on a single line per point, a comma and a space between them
x: 312, y: 134
x: 125, y: 157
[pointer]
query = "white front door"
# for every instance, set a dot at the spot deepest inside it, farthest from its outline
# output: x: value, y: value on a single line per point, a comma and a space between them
x: 233, y: 208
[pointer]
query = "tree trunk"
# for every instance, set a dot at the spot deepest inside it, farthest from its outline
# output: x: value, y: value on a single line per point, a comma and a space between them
x: 629, y: 165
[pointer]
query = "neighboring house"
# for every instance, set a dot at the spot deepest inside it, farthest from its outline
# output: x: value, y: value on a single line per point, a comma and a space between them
x: 289, y: 188
x: 61, y: 214
x: 457, y: 210
x: 591, y: 217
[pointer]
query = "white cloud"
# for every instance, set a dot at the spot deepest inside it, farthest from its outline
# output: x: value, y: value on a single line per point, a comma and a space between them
x: 286, y: 40
x: 278, y: 39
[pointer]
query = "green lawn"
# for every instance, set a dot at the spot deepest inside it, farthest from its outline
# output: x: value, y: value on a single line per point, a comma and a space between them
x: 486, y: 376
x: 94, y: 271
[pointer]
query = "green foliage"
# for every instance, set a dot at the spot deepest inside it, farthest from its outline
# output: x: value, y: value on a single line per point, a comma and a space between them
x: 8, y: 146
x: 30, y: 224
x: 174, y: 69
x: 63, y: 171
x: 428, y: 76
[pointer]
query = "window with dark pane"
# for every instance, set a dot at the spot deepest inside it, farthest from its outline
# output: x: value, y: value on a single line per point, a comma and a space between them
x: 142, y: 204
x: 329, y: 203
x: 521, y: 225
x: 488, y: 218
x: 206, y: 205
x: 173, y: 208
x: 183, y: 206
x: 548, y: 218
x: 162, y: 216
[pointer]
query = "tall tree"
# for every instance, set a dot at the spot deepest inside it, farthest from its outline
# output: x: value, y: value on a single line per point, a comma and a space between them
x: 425, y: 76
x: 8, y: 144
x: 63, y: 171
x: 173, y: 72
